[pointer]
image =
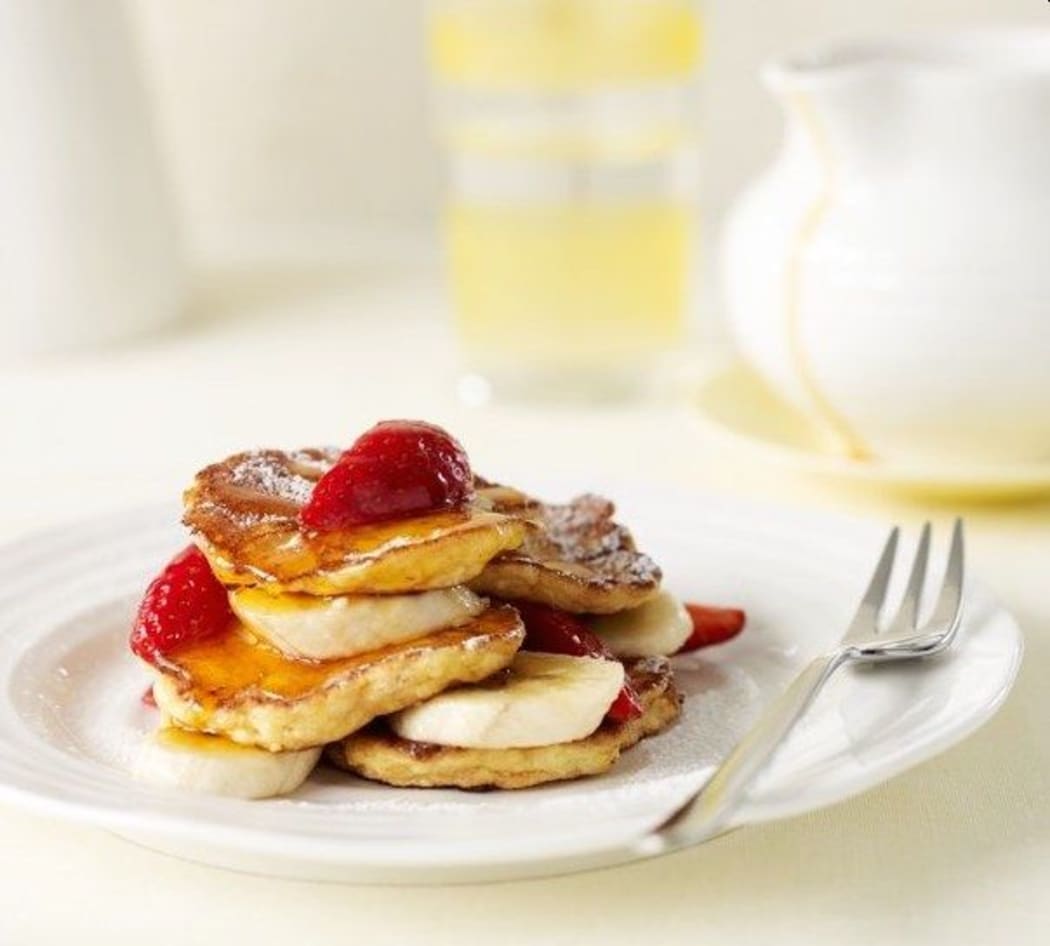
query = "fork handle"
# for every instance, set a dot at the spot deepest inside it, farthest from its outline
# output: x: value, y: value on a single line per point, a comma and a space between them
x: 707, y: 812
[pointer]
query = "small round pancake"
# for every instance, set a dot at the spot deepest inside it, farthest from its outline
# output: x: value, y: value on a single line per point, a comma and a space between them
x: 238, y: 687
x: 378, y: 754
x: 244, y: 513
x: 579, y: 559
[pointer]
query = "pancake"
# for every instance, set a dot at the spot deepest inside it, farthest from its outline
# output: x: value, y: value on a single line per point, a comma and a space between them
x: 244, y: 515
x: 241, y: 688
x: 378, y: 754
x: 579, y: 558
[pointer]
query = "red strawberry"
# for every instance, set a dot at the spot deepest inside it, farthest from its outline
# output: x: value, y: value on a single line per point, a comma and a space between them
x: 558, y: 632
x: 184, y: 603
x: 626, y: 706
x: 712, y: 626
x: 399, y: 468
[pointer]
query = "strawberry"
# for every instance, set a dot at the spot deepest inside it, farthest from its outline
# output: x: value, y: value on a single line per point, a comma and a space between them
x: 557, y: 632
x: 712, y: 626
x: 626, y: 706
x: 184, y: 603
x: 399, y: 468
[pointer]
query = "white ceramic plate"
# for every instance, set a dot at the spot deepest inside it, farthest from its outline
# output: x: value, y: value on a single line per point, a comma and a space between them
x: 71, y: 717
x: 734, y: 403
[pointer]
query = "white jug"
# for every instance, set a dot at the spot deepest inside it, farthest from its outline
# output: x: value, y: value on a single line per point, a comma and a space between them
x: 890, y: 273
x: 87, y: 241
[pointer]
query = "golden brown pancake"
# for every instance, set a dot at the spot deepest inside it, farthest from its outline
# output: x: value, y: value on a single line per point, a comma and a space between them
x: 244, y: 513
x: 239, y: 687
x: 378, y: 754
x: 579, y: 559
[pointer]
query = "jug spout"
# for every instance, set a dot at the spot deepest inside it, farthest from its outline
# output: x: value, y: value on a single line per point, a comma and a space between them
x: 857, y: 107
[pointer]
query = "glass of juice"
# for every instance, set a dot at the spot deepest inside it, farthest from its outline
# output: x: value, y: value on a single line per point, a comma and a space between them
x: 570, y: 133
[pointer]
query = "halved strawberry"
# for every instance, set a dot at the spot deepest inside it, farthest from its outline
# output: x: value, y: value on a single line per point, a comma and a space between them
x: 398, y: 468
x: 184, y: 603
x: 712, y: 626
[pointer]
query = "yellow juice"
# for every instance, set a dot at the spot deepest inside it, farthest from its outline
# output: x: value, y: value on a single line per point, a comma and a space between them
x: 562, y: 44
x: 575, y: 284
x: 569, y: 129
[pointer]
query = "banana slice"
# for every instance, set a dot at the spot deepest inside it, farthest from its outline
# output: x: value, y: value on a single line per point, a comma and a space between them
x: 213, y: 765
x: 343, y: 626
x: 544, y: 699
x: 657, y: 628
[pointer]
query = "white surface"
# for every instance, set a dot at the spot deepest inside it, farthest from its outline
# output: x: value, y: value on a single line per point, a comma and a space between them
x: 73, y: 717
x: 904, y: 208
x: 956, y: 851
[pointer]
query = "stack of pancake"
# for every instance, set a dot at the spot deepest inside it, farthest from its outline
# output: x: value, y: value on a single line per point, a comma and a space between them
x: 392, y: 643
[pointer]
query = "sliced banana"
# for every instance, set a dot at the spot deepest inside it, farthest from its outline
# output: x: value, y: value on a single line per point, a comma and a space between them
x: 213, y: 765
x: 327, y: 628
x: 657, y: 628
x: 544, y: 699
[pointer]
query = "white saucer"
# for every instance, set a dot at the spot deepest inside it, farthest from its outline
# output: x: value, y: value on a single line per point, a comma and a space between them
x: 71, y: 717
x: 735, y: 403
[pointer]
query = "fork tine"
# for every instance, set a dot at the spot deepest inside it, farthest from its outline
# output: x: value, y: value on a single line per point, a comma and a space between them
x: 907, y: 615
x: 947, y: 609
x: 866, y: 621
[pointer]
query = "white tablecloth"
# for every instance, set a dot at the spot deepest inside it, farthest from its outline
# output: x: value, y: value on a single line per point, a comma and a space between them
x: 956, y: 851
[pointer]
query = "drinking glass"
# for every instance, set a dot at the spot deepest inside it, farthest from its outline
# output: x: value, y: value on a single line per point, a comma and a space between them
x: 569, y: 128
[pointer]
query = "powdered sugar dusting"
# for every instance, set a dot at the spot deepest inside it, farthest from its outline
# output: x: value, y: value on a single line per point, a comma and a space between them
x: 255, y: 488
x: 582, y: 538
x: 290, y: 477
x: 258, y: 472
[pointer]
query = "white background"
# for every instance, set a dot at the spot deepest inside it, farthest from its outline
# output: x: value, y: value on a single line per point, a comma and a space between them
x: 298, y: 125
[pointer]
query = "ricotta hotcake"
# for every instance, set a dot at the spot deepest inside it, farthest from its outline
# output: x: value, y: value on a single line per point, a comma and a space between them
x: 577, y: 557
x: 237, y: 686
x: 244, y: 513
x: 378, y: 754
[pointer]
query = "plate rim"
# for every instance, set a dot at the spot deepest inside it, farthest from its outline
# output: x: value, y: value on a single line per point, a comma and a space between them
x: 267, y: 842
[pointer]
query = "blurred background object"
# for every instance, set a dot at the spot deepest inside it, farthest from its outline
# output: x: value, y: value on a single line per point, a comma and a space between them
x: 302, y: 127
x: 89, y: 249
x: 889, y: 273
x: 302, y: 136
x: 308, y: 175
x: 570, y: 132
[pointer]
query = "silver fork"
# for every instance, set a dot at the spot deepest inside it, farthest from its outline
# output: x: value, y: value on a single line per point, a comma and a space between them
x: 707, y: 813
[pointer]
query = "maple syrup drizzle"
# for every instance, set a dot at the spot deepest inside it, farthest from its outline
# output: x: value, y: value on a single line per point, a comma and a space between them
x: 226, y: 667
